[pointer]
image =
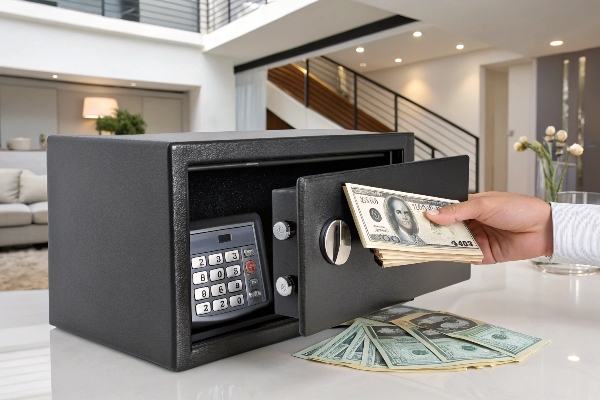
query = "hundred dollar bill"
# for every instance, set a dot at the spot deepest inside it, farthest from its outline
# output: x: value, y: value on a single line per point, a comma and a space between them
x: 452, y: 350
x: 388, y: 219
x: 309, y: 351
x: 353, y: 353
x: 396, y: 311
x: 506, y: 341
x: 371, y: 357
x: 399, y: 349
x: 335, y: 349
x: 373, y: 361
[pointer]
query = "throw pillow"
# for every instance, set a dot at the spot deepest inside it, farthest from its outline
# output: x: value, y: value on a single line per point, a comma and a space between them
x: 9, y: 185
x: 33, y: 188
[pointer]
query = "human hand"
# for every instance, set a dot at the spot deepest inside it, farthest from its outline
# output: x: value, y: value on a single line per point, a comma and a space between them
x: 506, y: 226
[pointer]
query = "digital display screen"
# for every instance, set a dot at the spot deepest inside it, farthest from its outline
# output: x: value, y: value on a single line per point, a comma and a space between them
x: 224, y: 238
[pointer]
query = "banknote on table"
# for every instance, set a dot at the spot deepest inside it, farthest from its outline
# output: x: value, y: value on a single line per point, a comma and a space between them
x: 394, y: 225
x: 452, y: 350
x: 508, y: 342
x: 417, y: 340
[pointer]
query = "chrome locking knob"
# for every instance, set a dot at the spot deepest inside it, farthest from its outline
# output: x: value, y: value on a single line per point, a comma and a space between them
x: 336, y: 242
x: 285, y: 285
x: 283, y: 230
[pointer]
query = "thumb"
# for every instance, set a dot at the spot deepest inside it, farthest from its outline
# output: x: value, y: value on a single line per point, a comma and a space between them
x: 454, y: 213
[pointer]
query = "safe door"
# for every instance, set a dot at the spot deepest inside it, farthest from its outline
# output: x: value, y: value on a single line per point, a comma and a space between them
x: 322, y: 294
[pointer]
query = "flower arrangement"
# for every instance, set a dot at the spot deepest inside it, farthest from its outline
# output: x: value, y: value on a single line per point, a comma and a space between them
x: 545, y: 155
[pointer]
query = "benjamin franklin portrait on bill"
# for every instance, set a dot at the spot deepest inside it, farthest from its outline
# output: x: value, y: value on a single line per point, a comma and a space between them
x: 402, y: 220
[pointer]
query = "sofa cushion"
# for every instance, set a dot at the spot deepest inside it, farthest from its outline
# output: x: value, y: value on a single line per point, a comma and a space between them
x: 32, y: 188
x: 39, y: 212
x: 9, y: 185
x: 15, y: 215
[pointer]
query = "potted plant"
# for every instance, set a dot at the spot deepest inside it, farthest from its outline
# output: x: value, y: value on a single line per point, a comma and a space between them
x: 123, y: 123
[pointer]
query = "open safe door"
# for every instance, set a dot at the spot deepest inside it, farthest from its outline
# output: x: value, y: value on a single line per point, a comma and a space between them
x: 321, y: 294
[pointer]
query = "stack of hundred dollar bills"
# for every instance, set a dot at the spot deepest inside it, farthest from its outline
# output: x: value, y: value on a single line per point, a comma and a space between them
x: 393, y: 225
x: 406, y: 339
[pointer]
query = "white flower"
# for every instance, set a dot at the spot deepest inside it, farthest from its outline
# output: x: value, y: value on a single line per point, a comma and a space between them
x: 575, y: 149
x: 548, y: 138
x: 523, y: 139
x: 561, y: 135
x: 519, y: 146
x: 550, y: 131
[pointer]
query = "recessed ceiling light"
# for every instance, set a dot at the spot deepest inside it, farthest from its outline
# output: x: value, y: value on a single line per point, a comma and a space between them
x: 398, y: 60
x: 133, y: 84
x: 363, y: 64
x: 460, y: 46
x: 556, y: 43
x: 360, y: 49
x: 55, y: 76
x: 417, y: 34
x: 573, y: 358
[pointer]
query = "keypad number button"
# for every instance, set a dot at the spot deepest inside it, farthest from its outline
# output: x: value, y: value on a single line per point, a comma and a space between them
x: 236, y: 301
x: 203, y: 308
x: 234, y: 270
x: 218, y: 289
x: 220, y: 304
x: 234, y: 286
x: 215, y: 259
x: 200, y: 277
x: 217, y: 274
x: 201, y: 293
x: 232, y: 256
x: 199, y: 262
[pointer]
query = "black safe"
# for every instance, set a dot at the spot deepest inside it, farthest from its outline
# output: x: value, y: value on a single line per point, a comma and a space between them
x: 162, y: 245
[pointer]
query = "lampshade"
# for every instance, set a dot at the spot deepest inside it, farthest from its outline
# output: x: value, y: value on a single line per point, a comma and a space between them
x: 94, y: 107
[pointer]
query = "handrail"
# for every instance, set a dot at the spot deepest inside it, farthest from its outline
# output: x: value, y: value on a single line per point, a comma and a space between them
x: 356, y: 102
x: 401, y: 96
x: 202, y: 16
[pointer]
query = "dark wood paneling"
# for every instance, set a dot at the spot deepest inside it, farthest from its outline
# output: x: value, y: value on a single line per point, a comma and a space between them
x: 323, y: 99
x: 549, y: 106
x: 274, y: 123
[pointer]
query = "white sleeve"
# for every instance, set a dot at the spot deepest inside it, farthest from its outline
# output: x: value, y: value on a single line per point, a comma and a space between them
x: 576, y: 229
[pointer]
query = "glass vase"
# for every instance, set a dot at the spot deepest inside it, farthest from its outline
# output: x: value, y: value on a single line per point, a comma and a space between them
x: 569, y: 182
x: 543, y: 263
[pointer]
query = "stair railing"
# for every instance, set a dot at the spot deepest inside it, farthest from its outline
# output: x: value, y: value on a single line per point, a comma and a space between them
x: 397, y: 113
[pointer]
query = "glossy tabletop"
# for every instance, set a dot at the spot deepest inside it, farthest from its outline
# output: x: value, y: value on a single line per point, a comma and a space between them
x: 38, y: 360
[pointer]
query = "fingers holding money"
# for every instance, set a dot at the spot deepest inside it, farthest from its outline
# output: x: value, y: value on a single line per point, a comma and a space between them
x: 507, y: 226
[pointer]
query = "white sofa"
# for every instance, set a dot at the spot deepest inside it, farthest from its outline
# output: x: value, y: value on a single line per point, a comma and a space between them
x: 23, y: 207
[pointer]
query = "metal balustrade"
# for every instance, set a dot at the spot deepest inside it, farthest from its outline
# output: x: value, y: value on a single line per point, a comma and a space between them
x: 189, y: 15
x: 373, y: 103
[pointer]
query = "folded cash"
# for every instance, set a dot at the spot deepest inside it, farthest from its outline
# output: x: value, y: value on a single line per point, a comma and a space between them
x: 419, y: 340
x: 393, y: 225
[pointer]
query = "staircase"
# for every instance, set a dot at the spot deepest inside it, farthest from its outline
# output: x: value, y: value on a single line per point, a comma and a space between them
x: 354, y: 101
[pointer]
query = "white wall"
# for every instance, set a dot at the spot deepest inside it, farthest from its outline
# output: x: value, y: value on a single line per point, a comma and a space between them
x: 449, y: 86
x: 453, y: 87
x: 27, y: 112
x: 521, y: 120
x: 293, y: 112
x: 35, y: 46
x: 30, y: 107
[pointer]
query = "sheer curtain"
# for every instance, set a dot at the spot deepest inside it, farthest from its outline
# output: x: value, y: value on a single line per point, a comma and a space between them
x: 251, y: 100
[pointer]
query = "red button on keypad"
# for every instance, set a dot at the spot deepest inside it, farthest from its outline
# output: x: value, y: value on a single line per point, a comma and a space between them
x: 250, y: 267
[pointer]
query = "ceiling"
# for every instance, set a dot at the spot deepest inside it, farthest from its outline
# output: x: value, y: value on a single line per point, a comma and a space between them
x: 522, y: 26
x: 379, y: 54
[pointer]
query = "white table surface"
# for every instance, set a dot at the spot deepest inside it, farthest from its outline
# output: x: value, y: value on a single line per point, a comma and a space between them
x: 38, y: 360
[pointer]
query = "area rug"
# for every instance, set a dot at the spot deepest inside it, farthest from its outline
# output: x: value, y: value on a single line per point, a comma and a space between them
x: 24, y: 269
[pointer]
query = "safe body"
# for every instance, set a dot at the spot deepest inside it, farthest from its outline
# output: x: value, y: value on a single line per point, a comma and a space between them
x: 121, y: 209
